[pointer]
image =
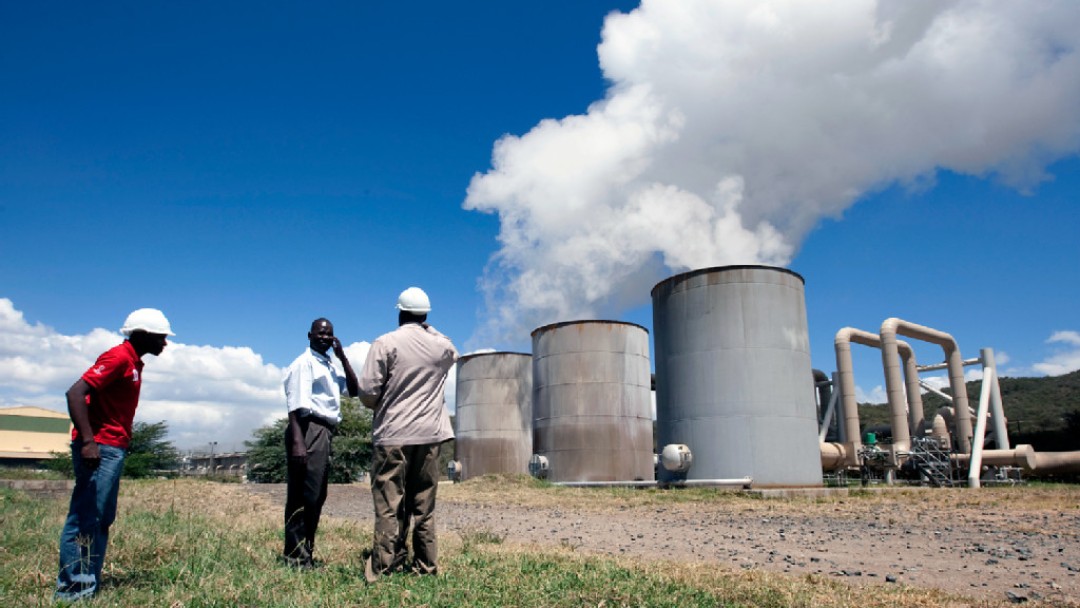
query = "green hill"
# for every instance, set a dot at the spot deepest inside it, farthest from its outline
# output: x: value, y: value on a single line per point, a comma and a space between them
x: 1044, y: 412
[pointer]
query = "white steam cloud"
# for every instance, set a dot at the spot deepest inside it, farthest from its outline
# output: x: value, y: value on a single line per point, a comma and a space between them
x: 731, y: 128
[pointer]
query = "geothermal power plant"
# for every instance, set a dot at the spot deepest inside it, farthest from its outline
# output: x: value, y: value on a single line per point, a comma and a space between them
x: 737, y: 402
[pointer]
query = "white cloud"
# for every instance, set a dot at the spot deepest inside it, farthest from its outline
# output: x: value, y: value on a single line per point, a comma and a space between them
x: 730, y: 128
x: 941, y: 381
x: 204, y: 393
x: 875, y: 395
x: 1065, y: 360
x: 1067, y: 337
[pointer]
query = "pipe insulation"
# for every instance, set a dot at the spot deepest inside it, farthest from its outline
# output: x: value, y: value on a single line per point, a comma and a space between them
x: 905, y: 415
x: 890, y: 358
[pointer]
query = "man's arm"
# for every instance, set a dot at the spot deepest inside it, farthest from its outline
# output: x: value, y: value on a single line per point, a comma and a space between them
x: 294, y: 439
x: 298, y: 380
x: 351, y: 382
x: 80, y: 417
x: 373, y: 377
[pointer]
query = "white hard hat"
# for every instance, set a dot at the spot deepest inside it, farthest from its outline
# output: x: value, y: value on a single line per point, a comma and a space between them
x: 414, y: 300
x: 150, y: 320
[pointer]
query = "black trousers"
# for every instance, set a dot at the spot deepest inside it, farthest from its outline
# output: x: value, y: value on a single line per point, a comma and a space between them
x: 306, y: 492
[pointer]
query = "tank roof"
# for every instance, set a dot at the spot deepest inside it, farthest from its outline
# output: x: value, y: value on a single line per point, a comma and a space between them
x: 717, y: 269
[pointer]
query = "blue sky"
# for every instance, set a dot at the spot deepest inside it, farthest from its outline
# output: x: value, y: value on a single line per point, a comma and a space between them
x: 249, y: 167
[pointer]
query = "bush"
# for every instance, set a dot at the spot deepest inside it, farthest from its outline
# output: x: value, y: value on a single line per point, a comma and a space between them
x: 351, y: 448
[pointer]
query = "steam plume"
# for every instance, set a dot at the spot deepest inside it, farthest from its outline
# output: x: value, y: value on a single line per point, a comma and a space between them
x: 731, y: 128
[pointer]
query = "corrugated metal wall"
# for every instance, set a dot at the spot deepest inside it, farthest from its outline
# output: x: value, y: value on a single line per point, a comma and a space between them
x: 592, y: 412
x: 493, y: 423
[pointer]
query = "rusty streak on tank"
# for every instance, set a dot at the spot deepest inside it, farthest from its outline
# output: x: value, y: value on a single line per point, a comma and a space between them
x: 592, y: 408
x: 493, y: 423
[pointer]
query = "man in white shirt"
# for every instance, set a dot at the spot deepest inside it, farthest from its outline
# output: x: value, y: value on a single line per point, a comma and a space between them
x: 402, y: 382
x: 313, y: 389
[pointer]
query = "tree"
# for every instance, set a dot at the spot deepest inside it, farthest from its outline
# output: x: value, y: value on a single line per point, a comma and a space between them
x: 352, y: 445
x: 266, y: 453
x: 60, y: 463
x: 149, y: 452
x: 351, y: 448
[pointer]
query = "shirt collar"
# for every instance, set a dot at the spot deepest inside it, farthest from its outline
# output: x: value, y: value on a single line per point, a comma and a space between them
x: 321, y: 357
x: 131, y: 352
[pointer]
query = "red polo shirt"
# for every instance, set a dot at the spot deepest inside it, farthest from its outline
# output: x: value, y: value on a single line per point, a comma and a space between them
x: 116, y: 378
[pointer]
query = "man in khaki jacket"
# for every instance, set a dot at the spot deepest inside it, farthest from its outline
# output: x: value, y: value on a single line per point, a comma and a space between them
x: 402, y: 382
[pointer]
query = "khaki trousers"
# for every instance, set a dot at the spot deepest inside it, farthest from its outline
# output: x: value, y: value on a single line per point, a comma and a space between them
x: 404, y: 481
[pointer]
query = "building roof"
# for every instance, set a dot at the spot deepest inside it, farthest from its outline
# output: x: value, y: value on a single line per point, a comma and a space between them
x: 29, y: 410
x: 33, y: 432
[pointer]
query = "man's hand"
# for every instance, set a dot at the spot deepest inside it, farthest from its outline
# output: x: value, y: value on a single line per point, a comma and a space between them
x: 339, y: 352
x: 91, y: 457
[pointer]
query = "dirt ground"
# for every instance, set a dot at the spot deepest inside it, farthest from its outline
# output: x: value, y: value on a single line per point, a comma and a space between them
x: 1009, y: 548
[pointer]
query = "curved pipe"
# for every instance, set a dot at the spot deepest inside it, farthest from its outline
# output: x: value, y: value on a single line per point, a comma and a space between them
x: 846, y: 380
x: 890, y: 358
x: 903, y: 420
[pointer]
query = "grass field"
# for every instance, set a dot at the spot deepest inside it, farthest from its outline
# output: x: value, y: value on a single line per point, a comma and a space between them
x: 192, y: 543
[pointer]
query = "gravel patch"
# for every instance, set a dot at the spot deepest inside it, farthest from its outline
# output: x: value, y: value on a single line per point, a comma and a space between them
x: 989, y: 551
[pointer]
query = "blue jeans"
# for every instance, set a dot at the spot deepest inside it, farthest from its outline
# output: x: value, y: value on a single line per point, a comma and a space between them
x: 86, y: 531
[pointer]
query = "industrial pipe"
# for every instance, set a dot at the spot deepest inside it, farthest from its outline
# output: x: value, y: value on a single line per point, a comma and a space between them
x: 1057, y: 462
x: 849, y: 405
x: 743, y: 482
x: 835, y: 456
x: 1023, y: 456
x: 997, y: 411
x: 823, y: 384
x: 890, y: 360
x: 904, y: 420
x: 826, y: 418
x: 975, y: 467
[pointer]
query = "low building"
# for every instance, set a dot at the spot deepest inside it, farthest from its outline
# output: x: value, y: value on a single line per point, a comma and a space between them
x: 225, y: 463
x: 29, y: 435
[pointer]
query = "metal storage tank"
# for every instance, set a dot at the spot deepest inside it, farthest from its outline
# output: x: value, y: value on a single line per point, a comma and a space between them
x: 493, y: 423
x: 592, y: 408
x: 733, y: 375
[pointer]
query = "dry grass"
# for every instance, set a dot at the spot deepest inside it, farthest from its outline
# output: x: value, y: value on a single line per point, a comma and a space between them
x: 192, y: 543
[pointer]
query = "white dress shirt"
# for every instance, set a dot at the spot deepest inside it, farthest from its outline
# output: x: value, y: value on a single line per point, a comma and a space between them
x: 313, y: 387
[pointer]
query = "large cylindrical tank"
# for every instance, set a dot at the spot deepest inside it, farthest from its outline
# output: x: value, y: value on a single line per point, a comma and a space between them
x: 592, y: 407
x: 493, y: 422
x: 733, y: 375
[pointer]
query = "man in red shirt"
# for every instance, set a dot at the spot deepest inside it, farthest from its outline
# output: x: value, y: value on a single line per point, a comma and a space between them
x: 102, y: 406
